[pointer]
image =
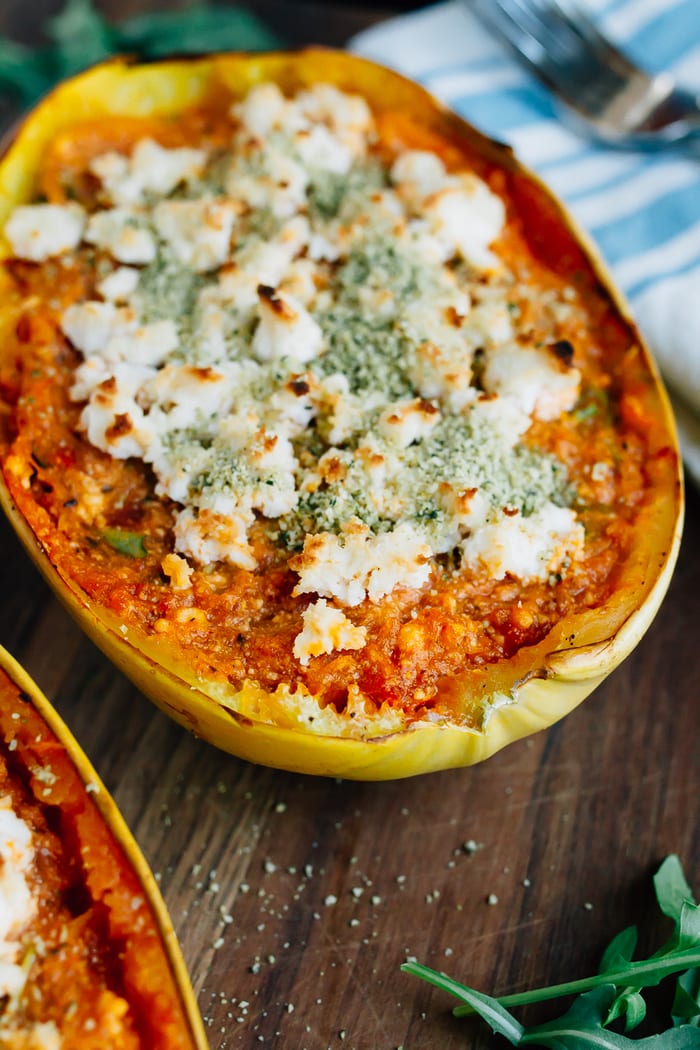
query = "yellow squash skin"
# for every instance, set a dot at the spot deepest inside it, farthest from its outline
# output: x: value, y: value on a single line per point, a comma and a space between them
x: 194, y: 1036
x: 525, y: 694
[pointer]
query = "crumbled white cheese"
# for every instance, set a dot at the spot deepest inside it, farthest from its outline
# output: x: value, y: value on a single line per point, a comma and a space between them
x: 300, y: 281
x: 262, y: 109
x: 417, y: 174
x: 286, y: 329
x: 320, y: 148
x: 123, y: 233
x: 91, y: 324
x: 17, y: 906
x: 150, y: 169
x: 348, y: 116
x: 534, y: 378
x: 359, y: 564
x: 198, y: 232
x: 529, y: 548
x: 208, y: 537
x: 40, y: 231
x: 342, y: 413
x: 265, y: 109
x: 467, y: 218
x: 292, y: 407
x: 114, y: 334
x: 37, y: 1035
x: 406, y: 422
x: 180, y: 396
x: 119, y: 285
x: 325, y: 630
x: 112, y: 420
x: 281, y: 188
x: 443, y: 372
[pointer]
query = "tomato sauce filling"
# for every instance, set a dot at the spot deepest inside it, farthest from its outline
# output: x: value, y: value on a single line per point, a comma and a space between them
x: 236, y: 625
x: 96, y: 968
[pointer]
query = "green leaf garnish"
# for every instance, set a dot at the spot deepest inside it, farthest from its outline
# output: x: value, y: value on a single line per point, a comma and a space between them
x: 201, y: 27
x: 129, y: 543
x: 671, y: 887
x: 686, y: 1002
x: 79, y: 36
x: 491, y: 1010
x: 615, y: 992
x: 582, y: 1028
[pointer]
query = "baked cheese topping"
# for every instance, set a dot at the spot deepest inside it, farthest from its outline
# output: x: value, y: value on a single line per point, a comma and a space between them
x: 296, y: 333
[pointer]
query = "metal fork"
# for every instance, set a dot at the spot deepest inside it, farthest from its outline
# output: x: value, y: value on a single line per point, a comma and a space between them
x: 619, y: 102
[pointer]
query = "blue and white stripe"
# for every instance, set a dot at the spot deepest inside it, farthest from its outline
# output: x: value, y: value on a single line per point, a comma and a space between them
x: 642, y: 209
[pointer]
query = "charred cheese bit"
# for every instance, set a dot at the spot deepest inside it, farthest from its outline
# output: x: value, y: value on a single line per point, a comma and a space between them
x: 542, y: 382
x: 286, y: 329
x: 40, y: 231
x: 150, y: 169
x: 406, y: 422
x: 325, y: 630
x: 112, y: 420
x: 360, y: 565
x: 530, y: 548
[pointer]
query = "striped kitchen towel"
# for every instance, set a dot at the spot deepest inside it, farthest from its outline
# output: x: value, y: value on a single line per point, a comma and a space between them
x: 642, y: 209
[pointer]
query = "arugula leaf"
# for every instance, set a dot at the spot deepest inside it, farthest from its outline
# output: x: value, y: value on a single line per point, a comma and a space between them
x: 686, y: 1001
x: 671, y: 888
x: 582, y: 1028
x: 488, y: 1008
x: 643, y: 974
x: 628, y: 1002
x: 125, y: 542
x: 613, y: 993
x: 199, y: 28
x: 22, y: 70
x: 79, y: 36
x: 620, y: 950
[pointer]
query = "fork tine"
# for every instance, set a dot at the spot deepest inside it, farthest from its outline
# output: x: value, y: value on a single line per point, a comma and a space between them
x: 568, y: 16
x: 573, y: 63
x: 565, y: 49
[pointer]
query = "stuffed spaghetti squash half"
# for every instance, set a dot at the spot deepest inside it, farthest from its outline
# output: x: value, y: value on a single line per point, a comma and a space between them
x: 320, y: 414
x: 88, y: 954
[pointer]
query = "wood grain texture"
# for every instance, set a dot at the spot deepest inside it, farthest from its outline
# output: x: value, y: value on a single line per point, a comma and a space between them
x: 296, y: 900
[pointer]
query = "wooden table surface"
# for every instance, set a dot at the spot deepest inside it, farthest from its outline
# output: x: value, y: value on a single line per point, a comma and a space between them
x: 296, y: 899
